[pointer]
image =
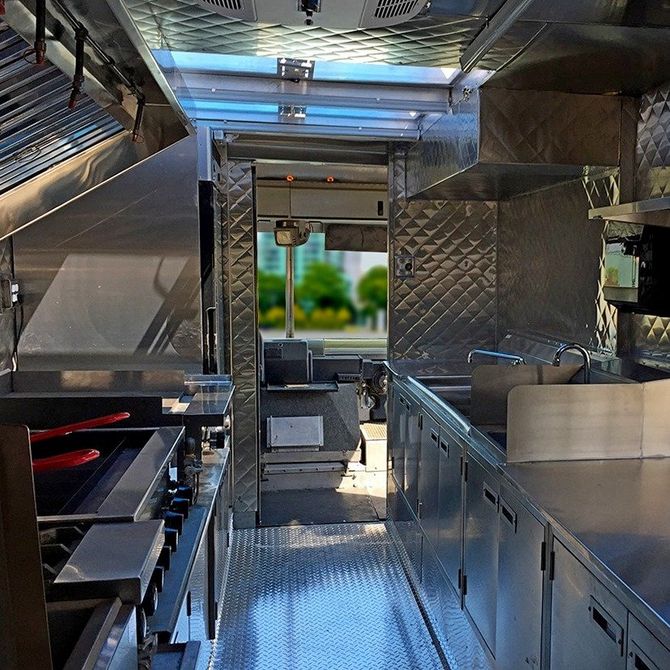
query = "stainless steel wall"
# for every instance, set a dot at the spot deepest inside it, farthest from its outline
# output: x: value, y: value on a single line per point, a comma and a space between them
x: 648, y: 335
x: 239, y: 325
x: 449, y: 305
x: 112, y: 279
x: 551, y: 264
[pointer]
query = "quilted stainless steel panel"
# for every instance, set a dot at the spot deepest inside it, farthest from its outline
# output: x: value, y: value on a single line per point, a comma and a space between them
x: 551, y: 282
x: 310, y: 597
x: 653, y: 144
x: 650, y: 335
x: 448, y: 306
x: 242, y: 333
x: 187, y: 26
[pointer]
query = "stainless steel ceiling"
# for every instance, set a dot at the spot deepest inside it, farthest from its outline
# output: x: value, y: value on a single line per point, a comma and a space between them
x: 603, y: 46
x: 37, y: 130
x: 182, y: 25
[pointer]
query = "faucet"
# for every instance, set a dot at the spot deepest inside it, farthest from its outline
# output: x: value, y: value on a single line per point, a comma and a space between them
x: 573, y: 346
x: 513, y: 358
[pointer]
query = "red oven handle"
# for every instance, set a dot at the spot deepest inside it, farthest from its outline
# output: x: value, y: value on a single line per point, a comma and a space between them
x: 67, y: 460
x: 81, y: 425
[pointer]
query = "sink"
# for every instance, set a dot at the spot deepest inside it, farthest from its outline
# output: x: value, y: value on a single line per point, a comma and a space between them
x: 445, y: 381
x: 454, y: 389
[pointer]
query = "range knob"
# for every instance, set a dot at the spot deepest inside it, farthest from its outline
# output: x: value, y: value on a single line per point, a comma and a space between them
x: 164, y: 558
x: 142, y: 628
x: 158, y: 577
x: 150, y: 602
x: 174, y: 521
x: 180, y: 505
x: 184, y: 491
x: 171, y: 538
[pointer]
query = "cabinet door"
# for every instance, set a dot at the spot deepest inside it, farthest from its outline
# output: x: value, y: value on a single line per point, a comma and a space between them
x: 429, y: 471
x: 412, y: 448
x: 410, y: 533
x: 450, y: 505
x: 520, y: 579
x: 397, y: 436
x: 480, y: 563
x: 645, y: 652
x: 587, y: 621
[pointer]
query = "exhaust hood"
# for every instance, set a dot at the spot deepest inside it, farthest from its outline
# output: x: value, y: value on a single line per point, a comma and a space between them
x: 496, y: 143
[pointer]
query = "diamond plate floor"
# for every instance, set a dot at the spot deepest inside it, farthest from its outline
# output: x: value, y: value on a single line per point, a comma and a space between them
x: 324, y: 596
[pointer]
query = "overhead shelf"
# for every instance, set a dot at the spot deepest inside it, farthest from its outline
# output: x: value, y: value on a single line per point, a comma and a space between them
x: 652, y: 212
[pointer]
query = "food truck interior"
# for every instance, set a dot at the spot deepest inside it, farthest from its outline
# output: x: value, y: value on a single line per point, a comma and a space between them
x: 334, y: 334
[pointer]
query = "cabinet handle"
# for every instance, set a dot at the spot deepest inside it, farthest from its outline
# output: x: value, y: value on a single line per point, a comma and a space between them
x: 433, y: 436
x: 445, y: 447
x: 188, y: 604
x: 490, y: 496
x: 509, y: 515
x: 610, y: 628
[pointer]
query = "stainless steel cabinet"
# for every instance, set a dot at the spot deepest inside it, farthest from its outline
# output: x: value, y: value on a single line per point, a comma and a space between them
x: 450, y: 506
x: 410, y: 533
x: 520, y: 585
x: 480, y: 563
x: 587, y: 621
x: 412, y: 449
x: 398, y: 436
x: 429, y: 484
x: 645, y: 652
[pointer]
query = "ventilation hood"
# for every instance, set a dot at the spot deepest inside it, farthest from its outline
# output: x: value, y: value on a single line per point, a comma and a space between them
x: 346, y: 14
x: 495, y: 143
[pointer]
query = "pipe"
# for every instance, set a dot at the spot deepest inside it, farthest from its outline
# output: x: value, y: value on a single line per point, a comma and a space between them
x: 40, y: 45
x: 290, y: 292
x: 139, y: 115
x: 78, y: 79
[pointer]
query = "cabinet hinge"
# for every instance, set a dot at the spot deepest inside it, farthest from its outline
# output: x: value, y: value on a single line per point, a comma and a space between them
x: 552, y: 565
x: 543, y: 557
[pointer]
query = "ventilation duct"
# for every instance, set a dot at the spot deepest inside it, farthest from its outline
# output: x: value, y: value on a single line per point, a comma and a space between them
x: 349, y: 14
x: 497, y: 143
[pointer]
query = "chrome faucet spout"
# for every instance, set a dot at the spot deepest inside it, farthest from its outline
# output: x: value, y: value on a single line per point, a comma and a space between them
x: 573, y: 346
x: 512, y: 358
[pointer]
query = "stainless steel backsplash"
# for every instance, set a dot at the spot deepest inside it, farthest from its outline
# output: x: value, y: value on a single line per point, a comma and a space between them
x: 648, y: 335
x: 449, y: 305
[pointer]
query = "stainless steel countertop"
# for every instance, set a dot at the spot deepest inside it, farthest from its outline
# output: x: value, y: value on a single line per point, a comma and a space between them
x: 619, y: 510
x: 615, y: 512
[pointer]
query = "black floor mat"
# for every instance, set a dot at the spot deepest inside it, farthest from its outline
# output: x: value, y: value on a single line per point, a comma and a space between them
x: 313, y: 506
